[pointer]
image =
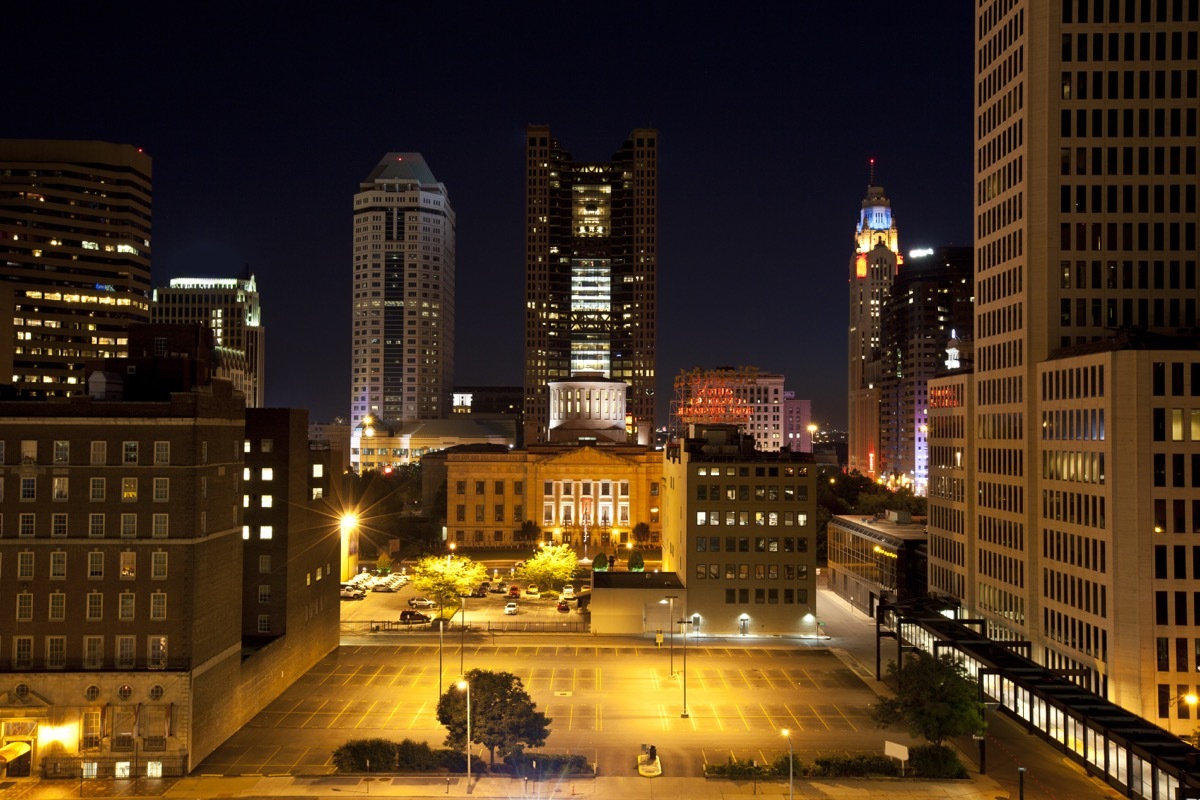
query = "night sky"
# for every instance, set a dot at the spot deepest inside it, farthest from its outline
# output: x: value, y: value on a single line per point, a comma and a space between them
x: 262, y: 122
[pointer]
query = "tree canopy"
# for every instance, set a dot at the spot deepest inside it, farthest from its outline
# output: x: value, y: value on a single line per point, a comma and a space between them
x: 503, y: 715
x: 935, y: 698
x: 446, y: 578
x: 601, y: 563
x: 636, y: 562
x: 551, y: 567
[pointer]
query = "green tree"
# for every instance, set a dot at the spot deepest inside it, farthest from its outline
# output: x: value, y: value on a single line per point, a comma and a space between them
x: 550, y: 567
x: 444, y: 579
x: 383, y: 564
x: 935, y: 698
x: 641, y: 533
x: 600, y: 564
x: 636, y: 562
x: 530, y: 532
x: 503, y: 716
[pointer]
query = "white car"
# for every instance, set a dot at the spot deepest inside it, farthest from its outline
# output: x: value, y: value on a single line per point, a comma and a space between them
x: 568, y: 592
x: 511, y: 608
x: 421, y: 602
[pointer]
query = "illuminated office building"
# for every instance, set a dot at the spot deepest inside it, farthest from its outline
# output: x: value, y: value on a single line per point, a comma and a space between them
x: 402, y: 362
x: 74, y: 257
x: 591, y: 273
x: 873, y: 267
x: 231, y: 308
x: 1085, y: 464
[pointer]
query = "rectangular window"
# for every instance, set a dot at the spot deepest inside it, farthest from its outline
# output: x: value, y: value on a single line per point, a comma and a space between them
x: 29, y: 449
x: 29, y: 488
x: 264, y: 564
x: 162, y: 452
x: 264, y: 623
x: 24, y: 607
x: 156, y: 652
x: 125, y: 649
x: 58, y: 488
x: 95, y: 606
x: 96, y: 491
x: 22, y: 652
x: 264, y: 594
x: 158, y: 606
x: 96, y: 526
x: 62, y: 452
x: 25, y: 566
x: 26, y: 524
x: 266, y: 532
x: 58, y: 607
x: 159, y: 525
x: 128, y: 565
x: 93, y: 658
x: 58, y: 525
x: 162, y: 490
x: 128, y: 526
x: 58, y: 565
x: 268, y: 445
x: 125, y: 606
x: 95, y: 565
x: 268, y: 473
x: 99, y: 454
x: 158, y: 565
x: 129, y: 453
x: 129, y: 489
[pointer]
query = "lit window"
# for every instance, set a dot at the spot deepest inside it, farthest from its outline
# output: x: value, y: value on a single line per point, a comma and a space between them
x: 129, y: 489
x: 266, y: 532
x: 266, y: 501
x: 268, y: 474
x: 318, y: 470
x: 128, y: 565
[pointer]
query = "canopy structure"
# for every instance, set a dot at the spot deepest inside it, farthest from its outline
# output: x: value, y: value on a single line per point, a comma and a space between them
x: 13, y: 751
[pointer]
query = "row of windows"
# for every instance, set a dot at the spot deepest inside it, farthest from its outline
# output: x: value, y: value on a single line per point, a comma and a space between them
x: 97, y: 452
x: 1183, y: 647
x: 127, y: 562
x: 94, y: 606
x: 1128, y: 10
x: 1166, y: 274
x: 1178, y: 562
x: 97, y: 527
x: 460, y: 513
x: 54, y: 655
x: 771, y: 492
x: 60, y: 489
x: 1075, y: 633
x: 1122, y: 85
x: 762, y: 544
x: 744, y: 471
x: 1141, y: 237
x: 741, y: 572
x: 768, y: 596
x: 739, y: 518
x: 1080, y: 593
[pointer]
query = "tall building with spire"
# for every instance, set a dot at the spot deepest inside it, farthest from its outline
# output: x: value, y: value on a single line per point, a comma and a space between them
x: 402, y: 361
x: 74, y: 258
x: 873, y: 267
x: 1082, y: 439
x: 591, y: 274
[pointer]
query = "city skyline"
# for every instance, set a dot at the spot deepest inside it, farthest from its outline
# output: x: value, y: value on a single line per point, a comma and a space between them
x: 259, y: 134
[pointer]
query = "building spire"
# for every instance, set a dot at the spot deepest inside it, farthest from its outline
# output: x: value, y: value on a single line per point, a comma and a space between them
x: 871, y: 180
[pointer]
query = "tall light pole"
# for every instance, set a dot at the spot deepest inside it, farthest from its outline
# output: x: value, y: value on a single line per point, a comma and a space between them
x: 812, y: 433
x: 671, y: 598
x: 791, y: 761
x: 465, y: 686
x: 687, y: 620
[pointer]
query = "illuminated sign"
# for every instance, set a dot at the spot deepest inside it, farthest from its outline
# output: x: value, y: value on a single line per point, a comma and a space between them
x: 920, y: 252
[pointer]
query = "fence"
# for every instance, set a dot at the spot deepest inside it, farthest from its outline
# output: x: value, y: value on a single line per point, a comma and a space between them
x: 423, y: 630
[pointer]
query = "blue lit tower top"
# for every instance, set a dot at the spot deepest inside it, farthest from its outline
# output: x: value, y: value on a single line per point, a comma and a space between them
x: 875, y: 223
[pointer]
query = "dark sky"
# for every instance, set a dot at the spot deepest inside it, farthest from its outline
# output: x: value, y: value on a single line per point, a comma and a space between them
x: 262, y: 122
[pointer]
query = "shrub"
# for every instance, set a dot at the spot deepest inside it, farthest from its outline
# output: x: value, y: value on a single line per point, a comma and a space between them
x: 740, y: 769
x: 779, y: 767
x: 934, y: 761
x: 365, y: 755
x: 416, y: 757
x: 852, y: 766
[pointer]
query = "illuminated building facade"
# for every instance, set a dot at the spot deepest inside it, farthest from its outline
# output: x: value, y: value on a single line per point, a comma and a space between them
x: 402, y: 361
x: 1086, y: 460
x: 591, y: 273
x: 929, y: 302
x: 75, y: 255
x: 231, y: 308
x: 873, y: 267
x: 739, y: 529
x: 754, y: 401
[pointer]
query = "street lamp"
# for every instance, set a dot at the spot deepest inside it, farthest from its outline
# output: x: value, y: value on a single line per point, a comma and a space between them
x: 812, y: 434
x: 463, y: 685
x: 670, y: 599
x: 462, y: 636
x: 687, y: 620
x: 791, y: 760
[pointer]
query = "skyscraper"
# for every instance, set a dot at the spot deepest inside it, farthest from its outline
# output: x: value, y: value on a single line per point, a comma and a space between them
x: 231, y: 308
x: 591, y: 273
x: 402, y: 363
x: 74, y: 254
x: 873, y: 267
x: 1086, y: 452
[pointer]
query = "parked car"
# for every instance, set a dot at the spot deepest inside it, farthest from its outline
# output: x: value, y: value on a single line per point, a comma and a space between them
x: 568, y: 592
x: 532, y: 590
x: 486, y: 585
x: 514, y: 591
x: 564, y: 606
x: 499, y: 588
x: 518, y: 564
x: 383, y: 587
x: 410, y: 616
x: 352, y: 593
x: 420, y: 602
x: 511, y: 608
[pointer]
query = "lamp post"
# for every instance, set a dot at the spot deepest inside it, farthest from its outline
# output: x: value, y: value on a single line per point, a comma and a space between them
x: 686, y: 620
x: 462, y: 637
x: 791, y: 760
x: 812, y: 433
x: 465, y: 686
x: 670, y: 599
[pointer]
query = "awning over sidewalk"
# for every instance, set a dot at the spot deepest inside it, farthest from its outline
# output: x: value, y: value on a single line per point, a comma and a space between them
x: 13, y: 751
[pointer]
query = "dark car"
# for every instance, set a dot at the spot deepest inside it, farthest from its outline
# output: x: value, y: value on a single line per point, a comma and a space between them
x: 563, y: 605
x: 410, y: 616
x: 499, y: 588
